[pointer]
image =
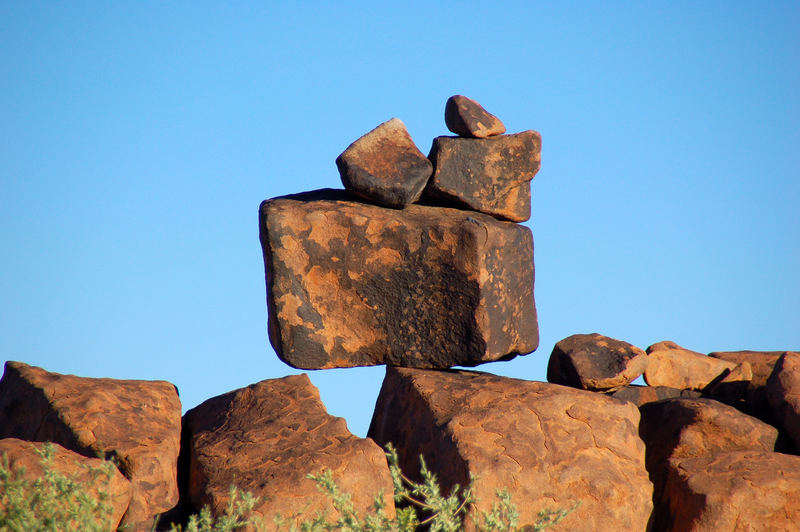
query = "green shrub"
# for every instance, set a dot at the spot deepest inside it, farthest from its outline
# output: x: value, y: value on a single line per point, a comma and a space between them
x: 56, y: 502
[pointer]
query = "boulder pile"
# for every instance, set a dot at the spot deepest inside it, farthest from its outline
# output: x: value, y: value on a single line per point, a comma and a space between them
x: 421, y: 264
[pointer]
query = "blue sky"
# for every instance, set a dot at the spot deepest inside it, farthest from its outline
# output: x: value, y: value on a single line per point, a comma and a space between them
x: 138, y: 140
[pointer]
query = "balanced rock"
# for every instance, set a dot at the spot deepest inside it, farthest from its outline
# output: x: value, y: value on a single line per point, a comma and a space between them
x: 671, y: 365
x: 737, y: 491
x: 467, y: 118
x: 385, y: 166
x: 25, y: 461
x: 595, y: 362
x: 641, y: 395
x: 550, y: 445
x: 136, y: 422
x: 783, y: 394
x: 489, y: 175
x: 352, y: 284
x: 266, y: 438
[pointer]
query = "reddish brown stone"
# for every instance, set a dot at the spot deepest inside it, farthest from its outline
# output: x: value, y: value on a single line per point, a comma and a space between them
x: 761, y: 362
x: 266, y: 438
x: 25, y: 460
x: 641, y: 395
x: 673, y: 366
x: 467, y: 118
x: 736, y: 491
x: 550, y: 445
x: 595, y: 362
x: 351, y: 284
x: 783, y: 394
x: 489, y: 175
x: 385, y: 166
x: 137, y: 422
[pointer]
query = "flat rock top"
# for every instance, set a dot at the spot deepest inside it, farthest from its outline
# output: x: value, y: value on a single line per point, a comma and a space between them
x: 595, y: 362
x: 266, y: 438
x: 762, y: 362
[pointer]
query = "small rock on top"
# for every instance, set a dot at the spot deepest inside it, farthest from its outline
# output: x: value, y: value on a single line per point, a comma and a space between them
x: 467, y: 118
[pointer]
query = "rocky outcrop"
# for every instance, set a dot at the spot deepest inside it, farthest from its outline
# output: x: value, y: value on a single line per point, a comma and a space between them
x: 385, y: 166
x: 550, y: 445
x: 266, y: 438
x: 673, y: 366
x: 641, y: 395
x: 137, y: 423
x: 783, y: 394
x: 351, y: 284
x: 738, y: 491
x: 467, y: 118
x: 595, y: 362
x: 490, y: 175
x: 25, y: 460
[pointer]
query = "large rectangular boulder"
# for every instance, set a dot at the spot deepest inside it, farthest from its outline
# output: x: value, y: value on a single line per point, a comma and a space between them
x: 354, y: 284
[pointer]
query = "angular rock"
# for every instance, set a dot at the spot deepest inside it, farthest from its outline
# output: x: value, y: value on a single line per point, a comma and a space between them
x: 641, y: 395
x: 385, y: 166
x: 742, y: 490
x: 467, y: 118
x: 137, y: 422
x: 761, y: 362
x: 266, y: 438
x: 783, y: 394
x: 595, y: 362
x: 351, y: 284
x: 489, y: 175
x: 24, y: 455
x: 550, y: 445
x: 673, y: 366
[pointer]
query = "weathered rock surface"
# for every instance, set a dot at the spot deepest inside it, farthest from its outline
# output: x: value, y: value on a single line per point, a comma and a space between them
x: 385, y: 166
x: 673, y: 366
x: 351, y: 284
x: 595, y: 362
x: 732, y: 491
x: 640, y: 395
x: 489, y: 175
x: 783, y: 394
x: 761, y: 362
x: 550, y: 445
x: 266, y: 438
x: 467, y: 118
x: 137, y: 422
x: 26, y: 455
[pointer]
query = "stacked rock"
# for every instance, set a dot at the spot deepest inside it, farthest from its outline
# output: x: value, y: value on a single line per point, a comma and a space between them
x: 720, y: 429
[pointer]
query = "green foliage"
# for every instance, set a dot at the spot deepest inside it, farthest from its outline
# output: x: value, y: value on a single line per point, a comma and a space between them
x: 54, y: 502
x: 57, y: 503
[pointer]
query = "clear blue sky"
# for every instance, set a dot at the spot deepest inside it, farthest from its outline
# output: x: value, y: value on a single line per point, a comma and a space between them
x: 137, y: 140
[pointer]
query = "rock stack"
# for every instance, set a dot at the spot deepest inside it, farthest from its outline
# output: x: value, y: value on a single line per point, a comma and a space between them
x: 420, y: 264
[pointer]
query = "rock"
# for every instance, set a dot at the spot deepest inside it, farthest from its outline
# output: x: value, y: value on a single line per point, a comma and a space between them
x: 671, y: 365
x: 783, y: 394
x: 467, y: 118
x: 385, y: 166
x: 266, y: 438
x: 137, y: 422
x: 641, y: 395
x: 737, y: 491
x: 24, y: 455
x: 489, y: 175
x: 550, y: 445
x: 351, y: 284
x: 761, y: 362
x: 595, y: 362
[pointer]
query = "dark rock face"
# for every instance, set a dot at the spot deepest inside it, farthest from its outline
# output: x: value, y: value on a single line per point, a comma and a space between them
x: 641, y: 395
x: 138, y: 422
x: 783, y: 394
x: 266, y: 438
x: 24, y: 455
x: 489, y: 175
x: 467, y: 118
x: 385, y: 166
x: 595, y: 362
x: 550, y: 445
x: 351, y: 284
x: 742, y: 490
